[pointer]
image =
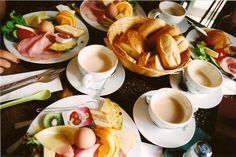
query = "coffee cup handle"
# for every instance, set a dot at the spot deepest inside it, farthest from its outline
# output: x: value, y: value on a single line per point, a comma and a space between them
x: 87, y: 80
x: 148, y: 99
x: 154, y: 13
x: 195, y: 109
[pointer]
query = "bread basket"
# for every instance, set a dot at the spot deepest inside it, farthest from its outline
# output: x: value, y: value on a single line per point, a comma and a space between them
x: 121, y: 26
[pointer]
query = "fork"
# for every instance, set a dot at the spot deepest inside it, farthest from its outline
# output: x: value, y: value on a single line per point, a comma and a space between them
x: 44, y: 77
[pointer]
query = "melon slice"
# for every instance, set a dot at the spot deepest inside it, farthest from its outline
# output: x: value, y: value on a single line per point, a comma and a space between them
x: 58, y: 139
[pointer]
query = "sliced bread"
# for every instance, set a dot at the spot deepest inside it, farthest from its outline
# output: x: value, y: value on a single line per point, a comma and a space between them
x: 69, y: 30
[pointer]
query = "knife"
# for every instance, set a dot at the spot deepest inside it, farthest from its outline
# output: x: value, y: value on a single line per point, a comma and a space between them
x: 46, y: 76
x: 197, y: 28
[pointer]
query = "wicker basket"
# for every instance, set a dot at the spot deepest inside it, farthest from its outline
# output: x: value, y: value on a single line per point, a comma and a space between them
x: 121, y: 26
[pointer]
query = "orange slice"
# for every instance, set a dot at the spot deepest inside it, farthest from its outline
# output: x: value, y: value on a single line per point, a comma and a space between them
x: 124, y: 9
x: 69, y: 15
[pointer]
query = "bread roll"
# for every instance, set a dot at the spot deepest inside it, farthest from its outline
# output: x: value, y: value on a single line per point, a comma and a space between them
x: 181, y: 42
x: 168, y: 51
x: 133, y: 43
x: 150, y: 27
x: 143, y: 58
x: 168, y: 29
x: 154, y: 63
x: 217, y: 39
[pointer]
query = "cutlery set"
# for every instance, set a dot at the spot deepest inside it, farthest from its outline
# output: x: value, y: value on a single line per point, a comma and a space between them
x: 43, y: 77
x: 46, y: 76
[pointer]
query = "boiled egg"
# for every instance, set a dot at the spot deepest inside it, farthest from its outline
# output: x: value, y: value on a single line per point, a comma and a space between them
x: 85, y: 138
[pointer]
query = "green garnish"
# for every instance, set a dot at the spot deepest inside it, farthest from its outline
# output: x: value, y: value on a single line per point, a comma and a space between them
x: 9, y: 28
x: 33, y: 141
x: 133, y: 2
x: 200, y: 52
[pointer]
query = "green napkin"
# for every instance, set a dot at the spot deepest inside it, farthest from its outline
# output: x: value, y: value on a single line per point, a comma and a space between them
x: 178, y: 152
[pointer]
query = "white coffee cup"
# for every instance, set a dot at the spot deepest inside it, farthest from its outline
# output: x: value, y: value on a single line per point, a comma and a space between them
x: 96, y: 63
x: 169, y: 108
x: 171, y: 12
x: 202, y: 77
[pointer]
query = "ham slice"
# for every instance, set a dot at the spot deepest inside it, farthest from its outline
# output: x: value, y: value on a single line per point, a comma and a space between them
x: 94, y: 10
x: 35, y: 48
x: 228, y: 64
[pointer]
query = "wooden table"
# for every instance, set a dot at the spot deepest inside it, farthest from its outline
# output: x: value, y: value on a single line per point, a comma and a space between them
x: 134, y: 85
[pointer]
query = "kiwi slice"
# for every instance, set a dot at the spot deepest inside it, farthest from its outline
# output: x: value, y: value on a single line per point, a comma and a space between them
x: 52, y: 119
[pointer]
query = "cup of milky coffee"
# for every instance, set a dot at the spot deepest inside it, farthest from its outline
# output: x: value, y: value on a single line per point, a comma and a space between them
x: 169, y: 108
x: 171, y: 12
x: 202, y: 77
x: 96, y: 63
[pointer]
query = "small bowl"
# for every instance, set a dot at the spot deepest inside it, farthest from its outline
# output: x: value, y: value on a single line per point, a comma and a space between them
x: 202, y: 77
x: 169, y: 109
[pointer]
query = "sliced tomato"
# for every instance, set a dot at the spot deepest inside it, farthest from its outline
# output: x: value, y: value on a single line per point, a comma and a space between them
x: 221, y: 53
x: 24, y: 33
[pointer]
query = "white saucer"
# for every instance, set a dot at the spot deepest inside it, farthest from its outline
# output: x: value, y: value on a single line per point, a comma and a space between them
x: 204, y: 101
x: 168, y: 138
x: 74, y: 77
x: 183, y: 25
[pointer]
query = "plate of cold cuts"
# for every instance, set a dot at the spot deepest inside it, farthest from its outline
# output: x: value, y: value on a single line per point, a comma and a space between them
x: 101, y: 14
x: 65, y: 42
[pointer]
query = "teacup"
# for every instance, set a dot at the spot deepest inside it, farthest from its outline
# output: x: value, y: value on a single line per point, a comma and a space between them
x: 171, y: 12
x: 96, y: 63
x: 169, y: 108
x: 202, y: 77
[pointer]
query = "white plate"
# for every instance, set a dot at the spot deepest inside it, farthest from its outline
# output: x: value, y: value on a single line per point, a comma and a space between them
x: 228, y: 86
x: 82, y: 42
x: 74, y: 76
x: 194, y: 35
x: 204, y: 101
x: 183, y: 25
x: 137, y: 11
x: 168, y: 138
x: 74, y: 101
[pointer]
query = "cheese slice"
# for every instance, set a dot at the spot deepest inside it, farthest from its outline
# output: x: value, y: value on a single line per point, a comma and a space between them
x: 100, y: 118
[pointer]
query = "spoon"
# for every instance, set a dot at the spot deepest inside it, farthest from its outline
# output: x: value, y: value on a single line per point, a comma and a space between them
x: 42, y: 95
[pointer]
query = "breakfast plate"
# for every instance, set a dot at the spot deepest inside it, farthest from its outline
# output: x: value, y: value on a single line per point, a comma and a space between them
x: 74, y: 76
x: 194, y: 36
x: 81, y: 43
x: 76, y: 101
x: 204, y: 101
x: 229, y: 85
x: 168, y: 138
x: 137, y: 11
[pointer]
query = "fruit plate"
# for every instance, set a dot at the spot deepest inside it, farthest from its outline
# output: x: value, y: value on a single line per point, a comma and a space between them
x: 82, y: 42
x: 137, y: 11
x: 78, y: 100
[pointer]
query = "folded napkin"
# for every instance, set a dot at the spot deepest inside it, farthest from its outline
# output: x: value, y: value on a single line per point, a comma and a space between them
x: 178, y: 152
x: 53, y: 86
x: 150, y: 150
x: 228, y: 86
